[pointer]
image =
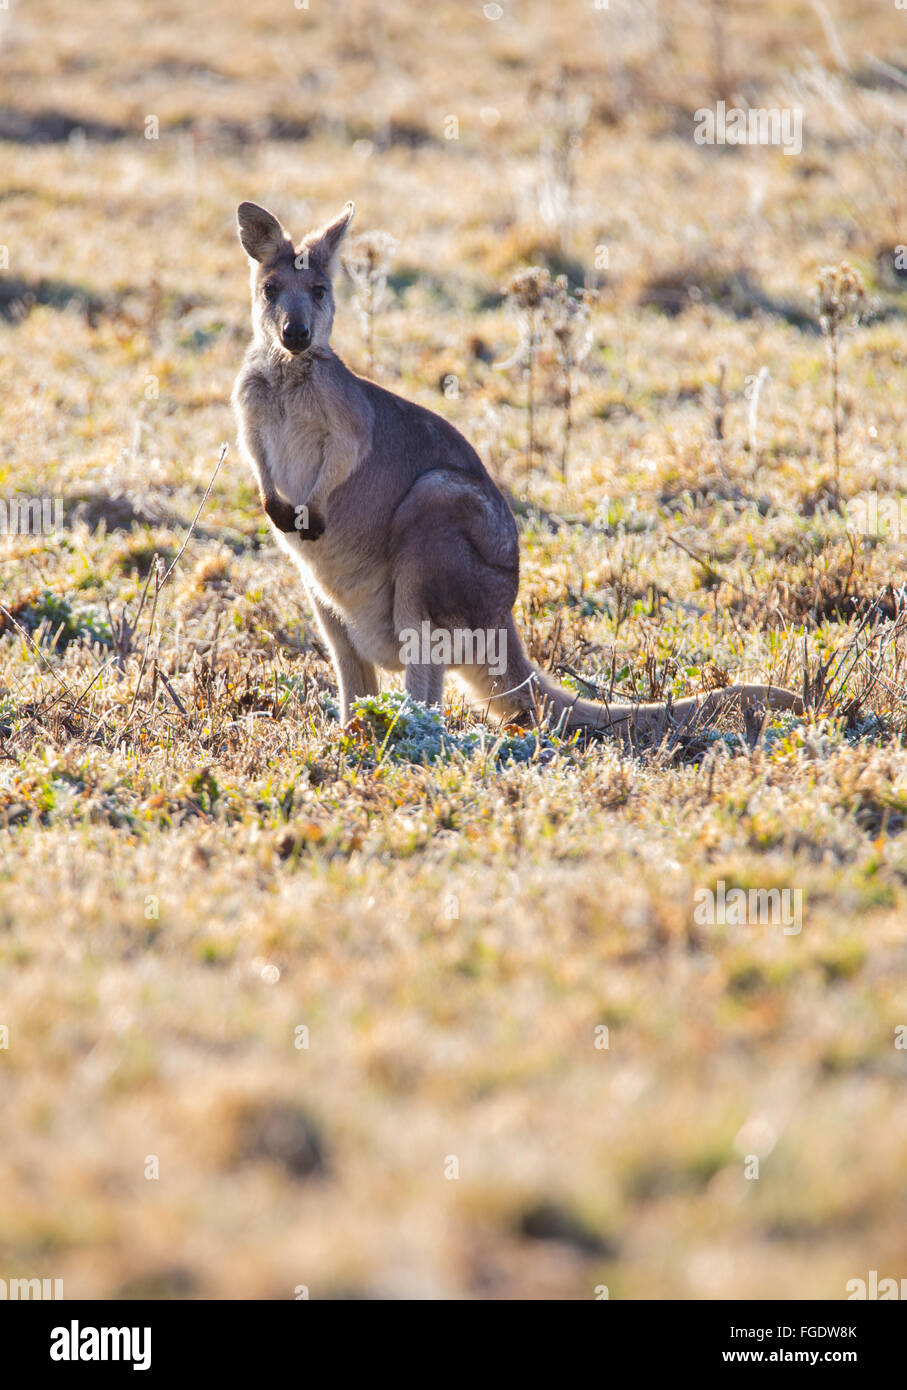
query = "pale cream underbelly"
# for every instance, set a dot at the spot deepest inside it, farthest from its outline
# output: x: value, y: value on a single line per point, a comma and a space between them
x: 367, y: 614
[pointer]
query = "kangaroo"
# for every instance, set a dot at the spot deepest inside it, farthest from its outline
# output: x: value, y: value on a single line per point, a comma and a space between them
x: 390, y: 515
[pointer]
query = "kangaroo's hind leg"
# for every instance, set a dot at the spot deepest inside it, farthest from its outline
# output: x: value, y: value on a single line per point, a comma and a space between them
x: 425, y: 682
x: 355, y: 677
x: 455, y: 579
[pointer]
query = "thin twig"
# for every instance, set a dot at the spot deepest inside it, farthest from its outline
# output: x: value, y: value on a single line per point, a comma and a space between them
x: 179, y: 554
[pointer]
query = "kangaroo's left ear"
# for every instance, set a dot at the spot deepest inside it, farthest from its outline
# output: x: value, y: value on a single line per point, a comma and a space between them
x: 261, y: 234
x: 322, y: 246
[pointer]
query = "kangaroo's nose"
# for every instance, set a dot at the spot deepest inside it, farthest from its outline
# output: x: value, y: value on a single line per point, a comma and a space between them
x: 295, y: 336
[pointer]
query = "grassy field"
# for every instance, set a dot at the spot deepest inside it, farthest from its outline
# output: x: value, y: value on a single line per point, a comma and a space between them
x: 288, y: 1007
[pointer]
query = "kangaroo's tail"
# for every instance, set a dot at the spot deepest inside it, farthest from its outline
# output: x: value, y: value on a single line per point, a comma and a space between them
x: 523, y: 687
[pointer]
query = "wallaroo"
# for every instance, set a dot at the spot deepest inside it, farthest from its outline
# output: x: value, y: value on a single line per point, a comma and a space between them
x: 389, y: 512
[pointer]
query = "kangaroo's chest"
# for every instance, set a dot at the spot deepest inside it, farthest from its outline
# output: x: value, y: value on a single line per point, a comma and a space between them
x: 318, y: 457
x: 295, y: 441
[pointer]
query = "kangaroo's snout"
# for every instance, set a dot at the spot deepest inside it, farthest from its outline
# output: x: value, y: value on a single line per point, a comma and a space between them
x: 295, y: 335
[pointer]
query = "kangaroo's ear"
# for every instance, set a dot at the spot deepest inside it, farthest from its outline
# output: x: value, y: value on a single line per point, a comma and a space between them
x: 323, y: 245
x: 261, y: 235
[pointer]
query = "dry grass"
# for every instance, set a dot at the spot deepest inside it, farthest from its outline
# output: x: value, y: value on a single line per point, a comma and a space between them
x: 197, y: 861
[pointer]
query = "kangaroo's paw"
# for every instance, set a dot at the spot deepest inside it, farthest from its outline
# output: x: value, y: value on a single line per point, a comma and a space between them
x: 308, y: 525
x: 281, y: 513
x: 313, y: 528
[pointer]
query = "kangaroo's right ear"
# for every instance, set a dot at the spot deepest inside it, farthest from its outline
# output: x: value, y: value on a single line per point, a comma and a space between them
x: 261, y: 235
x: 324, y: 244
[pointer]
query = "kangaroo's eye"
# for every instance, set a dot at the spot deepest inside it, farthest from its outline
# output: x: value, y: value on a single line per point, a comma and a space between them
x: 270, y: 291
x: 318, y: 293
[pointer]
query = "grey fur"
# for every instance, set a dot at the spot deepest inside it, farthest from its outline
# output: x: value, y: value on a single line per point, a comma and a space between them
x: 386, y: 509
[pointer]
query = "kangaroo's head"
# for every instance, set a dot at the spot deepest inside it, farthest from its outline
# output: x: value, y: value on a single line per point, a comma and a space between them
x: 292, y: 289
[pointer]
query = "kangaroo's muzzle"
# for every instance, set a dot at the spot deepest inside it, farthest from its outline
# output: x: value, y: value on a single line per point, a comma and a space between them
x: 295, y: 336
